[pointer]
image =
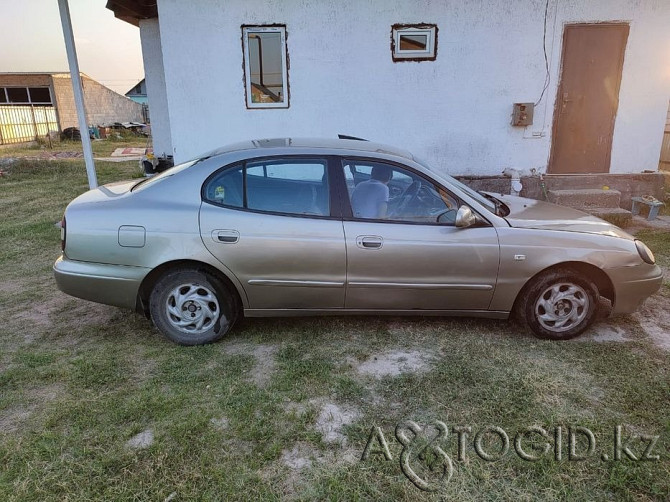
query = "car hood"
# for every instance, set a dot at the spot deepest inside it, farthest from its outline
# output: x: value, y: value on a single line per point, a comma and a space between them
x: 530, y: 213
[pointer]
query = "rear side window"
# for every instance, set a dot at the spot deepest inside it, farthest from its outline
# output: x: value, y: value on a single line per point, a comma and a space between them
x: 227, y: 188
x: 296, y: 186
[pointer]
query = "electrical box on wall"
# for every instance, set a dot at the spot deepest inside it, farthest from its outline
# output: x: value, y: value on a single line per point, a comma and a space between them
x: 522, y: 114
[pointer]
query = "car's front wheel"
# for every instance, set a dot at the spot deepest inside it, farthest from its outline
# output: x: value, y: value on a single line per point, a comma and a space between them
x: 559, y: 304
x: 192, y: 307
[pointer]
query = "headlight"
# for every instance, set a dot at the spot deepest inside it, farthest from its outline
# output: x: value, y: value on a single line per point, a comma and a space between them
x: 645, y: 252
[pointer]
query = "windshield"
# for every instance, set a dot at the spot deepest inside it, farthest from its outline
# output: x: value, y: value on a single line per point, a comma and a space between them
x: 481, y: 198
x: 165, y: 174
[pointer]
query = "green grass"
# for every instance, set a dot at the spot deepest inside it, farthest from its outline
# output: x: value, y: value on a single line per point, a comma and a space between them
x: 78, y: 380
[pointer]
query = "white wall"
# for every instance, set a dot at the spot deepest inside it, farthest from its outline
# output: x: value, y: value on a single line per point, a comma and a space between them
x: 454, y: 112
x: 154, y: 74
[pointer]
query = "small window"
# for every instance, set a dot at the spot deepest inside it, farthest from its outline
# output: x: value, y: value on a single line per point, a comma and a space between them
x: 39, y: 95
x: 265, y: 66
x: 227, y: 188
x: 414, y: 42
x: 3, y: 96
x: 379, y: 191
x: 17, y: 94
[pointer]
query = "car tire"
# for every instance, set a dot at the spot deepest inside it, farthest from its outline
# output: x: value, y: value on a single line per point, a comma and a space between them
x: 559, y: 304
x: 192, y: 307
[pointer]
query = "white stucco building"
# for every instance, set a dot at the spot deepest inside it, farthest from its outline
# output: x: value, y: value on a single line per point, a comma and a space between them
x: 443, y: 88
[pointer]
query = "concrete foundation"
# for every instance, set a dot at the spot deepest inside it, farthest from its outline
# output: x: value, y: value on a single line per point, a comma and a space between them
x: 630, y: 185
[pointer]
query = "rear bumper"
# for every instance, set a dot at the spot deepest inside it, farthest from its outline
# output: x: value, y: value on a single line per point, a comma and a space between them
x: 98, y: 282
x: 633, y: 285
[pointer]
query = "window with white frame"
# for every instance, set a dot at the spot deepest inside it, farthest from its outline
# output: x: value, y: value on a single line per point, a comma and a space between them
x: 414, y: 42
x: 265, y: 66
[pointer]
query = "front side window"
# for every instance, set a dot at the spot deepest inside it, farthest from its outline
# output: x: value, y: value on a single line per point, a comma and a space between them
x: 380, y: 191
x: 265, y: 66
x: 296, y: 186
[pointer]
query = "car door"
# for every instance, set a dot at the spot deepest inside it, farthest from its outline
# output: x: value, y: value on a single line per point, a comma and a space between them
x: 269, y: 222
x: 406, y: 260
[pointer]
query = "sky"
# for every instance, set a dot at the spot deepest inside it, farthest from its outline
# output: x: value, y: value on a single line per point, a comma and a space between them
x: 108, y: 49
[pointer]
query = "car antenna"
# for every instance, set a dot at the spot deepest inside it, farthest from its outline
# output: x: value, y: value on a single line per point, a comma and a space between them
x: 344, y: 136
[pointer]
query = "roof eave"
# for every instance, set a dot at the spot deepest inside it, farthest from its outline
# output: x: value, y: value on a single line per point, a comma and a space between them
x: 132, y: 11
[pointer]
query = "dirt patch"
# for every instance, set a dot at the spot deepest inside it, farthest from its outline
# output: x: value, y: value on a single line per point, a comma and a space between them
x: 14, y: 417
x: 11, y: 419
x: 47, y: 393
x: 8, y: 287
x: 605, y: 331
x: 394, y: 363
x: 287, y: 472
x: 60, y: 312
x: 332, y: 419
x: 300, y: 457
x: 241, y: 447
x: 220, y: 424
x: 143, y: 366
x: 293, y: 408
x: 265, y: 364
x: 654, y: 319
x: 141, y: 441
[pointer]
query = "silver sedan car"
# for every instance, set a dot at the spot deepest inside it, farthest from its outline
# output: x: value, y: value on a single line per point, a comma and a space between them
x: 287, y: 227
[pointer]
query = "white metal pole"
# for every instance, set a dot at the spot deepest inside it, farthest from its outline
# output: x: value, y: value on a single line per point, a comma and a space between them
x: 78, y: 91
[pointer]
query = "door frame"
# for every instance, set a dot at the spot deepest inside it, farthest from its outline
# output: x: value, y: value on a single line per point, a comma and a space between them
x: 559, y: 91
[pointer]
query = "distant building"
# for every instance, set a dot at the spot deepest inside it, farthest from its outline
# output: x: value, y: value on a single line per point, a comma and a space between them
x: 138, y: 93
x: 32, y: 104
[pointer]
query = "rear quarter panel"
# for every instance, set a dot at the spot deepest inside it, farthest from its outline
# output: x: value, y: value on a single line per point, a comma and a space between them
x: 167, y: 210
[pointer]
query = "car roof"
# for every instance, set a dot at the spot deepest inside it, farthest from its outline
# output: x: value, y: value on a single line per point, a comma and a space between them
x: 312, y: 143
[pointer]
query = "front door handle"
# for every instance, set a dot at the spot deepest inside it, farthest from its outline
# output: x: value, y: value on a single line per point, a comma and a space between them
x: 226, y: 236
x: 369, y: 241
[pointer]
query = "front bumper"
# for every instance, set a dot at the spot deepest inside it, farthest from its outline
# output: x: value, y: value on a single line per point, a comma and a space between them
x: 99, y: 282
x: 633, y: 285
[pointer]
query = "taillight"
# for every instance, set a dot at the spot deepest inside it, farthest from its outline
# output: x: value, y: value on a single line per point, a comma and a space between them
x: 62, y: 234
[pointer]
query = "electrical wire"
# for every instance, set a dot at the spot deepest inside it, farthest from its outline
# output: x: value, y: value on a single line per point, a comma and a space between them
x: 547, y: 78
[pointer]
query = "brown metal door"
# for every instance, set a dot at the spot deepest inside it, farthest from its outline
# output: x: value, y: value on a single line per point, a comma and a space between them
x: 588, y: 98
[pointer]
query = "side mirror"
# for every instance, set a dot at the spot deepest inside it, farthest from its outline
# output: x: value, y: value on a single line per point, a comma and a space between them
x: 465, y: 217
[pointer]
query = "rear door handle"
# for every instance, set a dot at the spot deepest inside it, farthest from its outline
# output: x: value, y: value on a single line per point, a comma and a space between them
x: 226, y: 236
x: 369, y: 241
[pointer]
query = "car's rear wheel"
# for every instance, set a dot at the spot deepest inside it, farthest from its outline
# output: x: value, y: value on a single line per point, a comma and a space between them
x: 192, y: 307
x: 559, y: 305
